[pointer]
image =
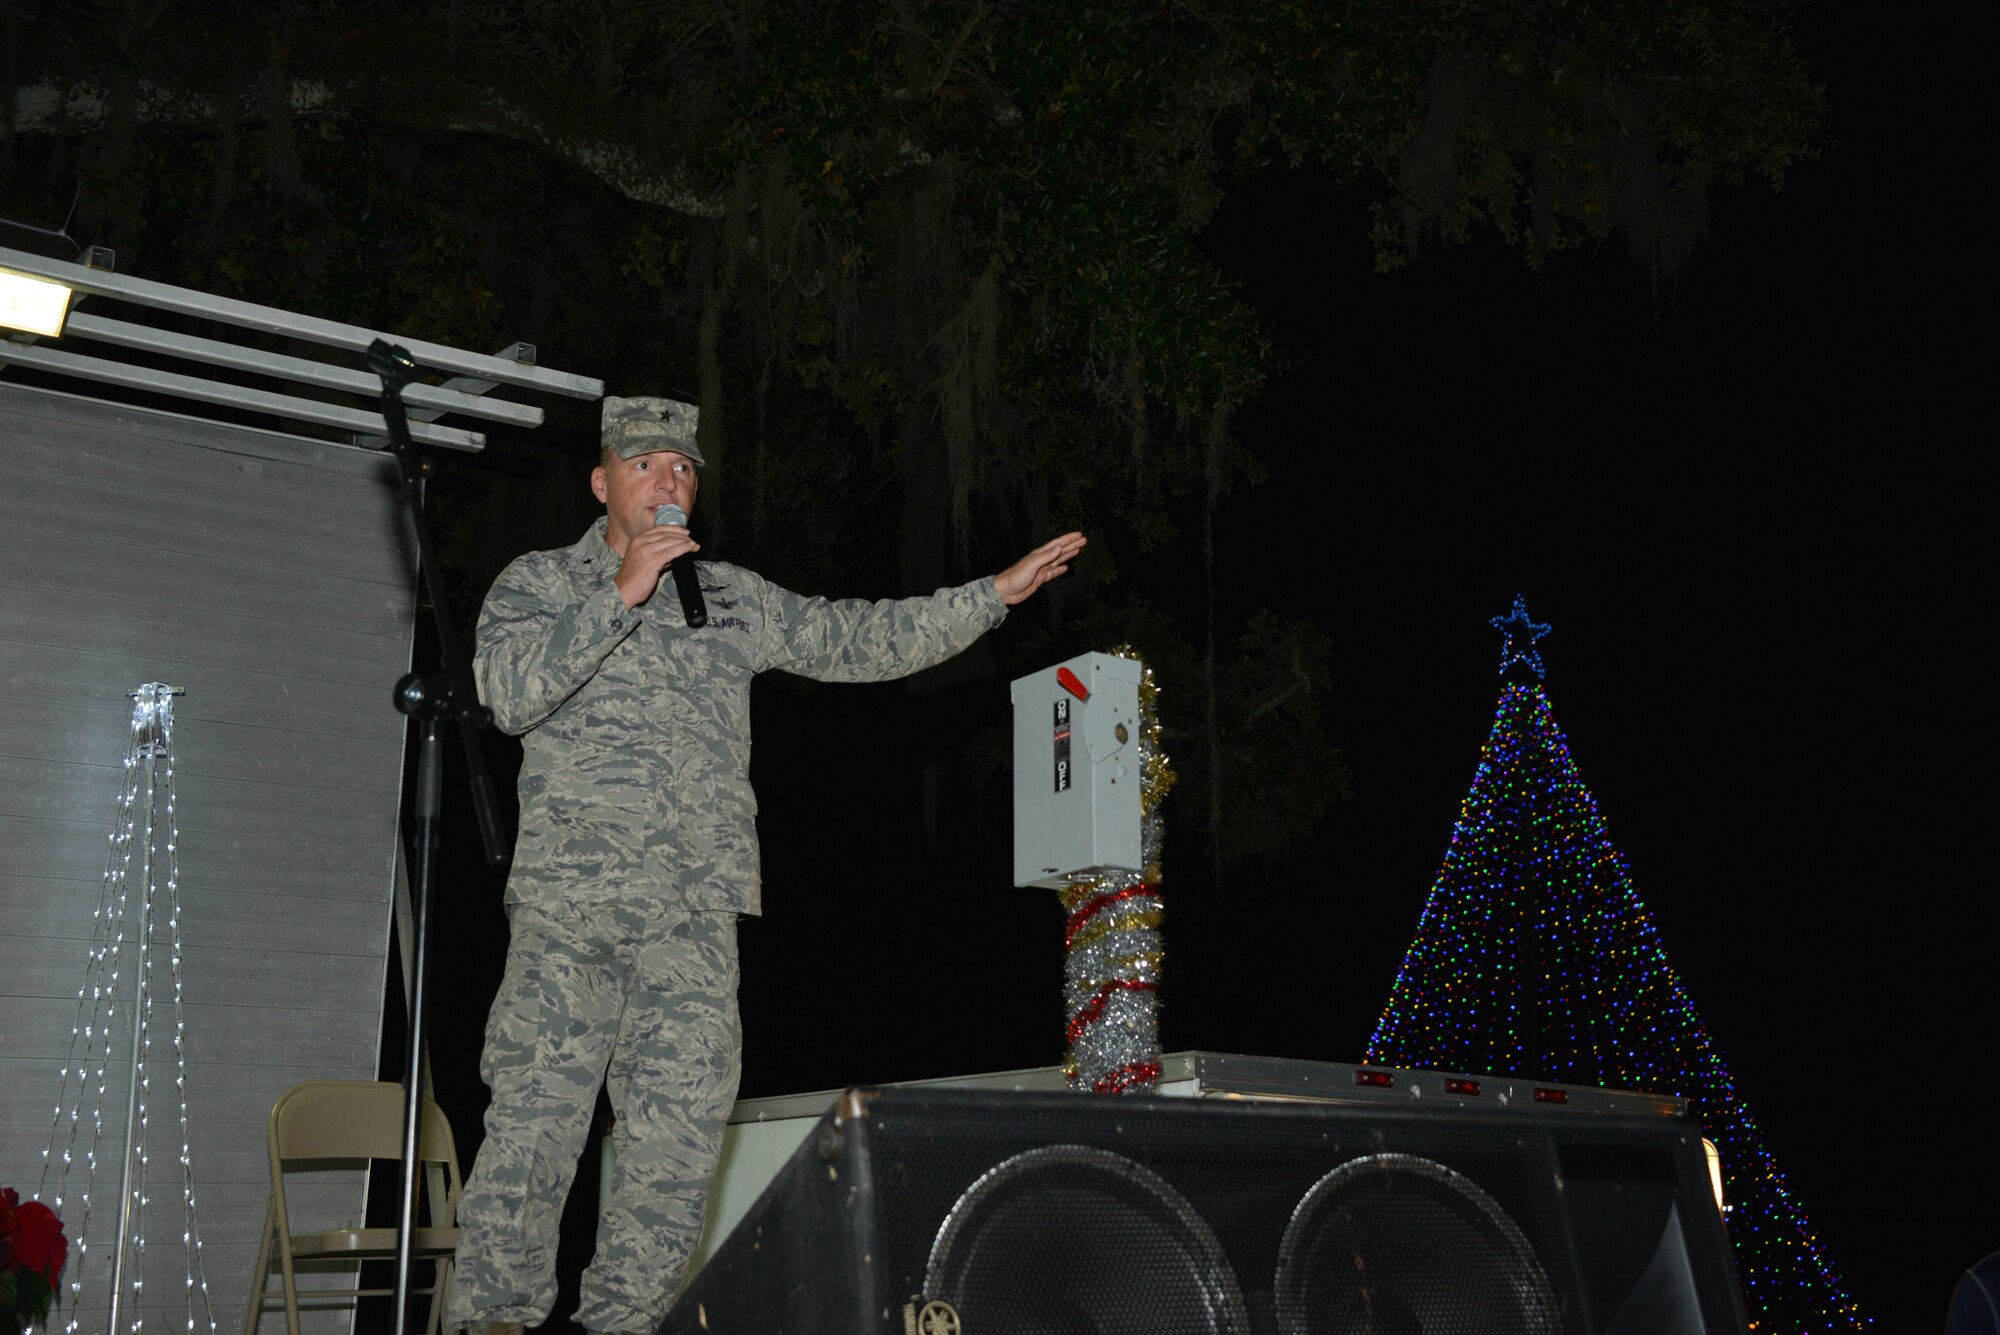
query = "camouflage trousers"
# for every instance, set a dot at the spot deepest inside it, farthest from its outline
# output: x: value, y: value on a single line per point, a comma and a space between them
x: 643, y: 998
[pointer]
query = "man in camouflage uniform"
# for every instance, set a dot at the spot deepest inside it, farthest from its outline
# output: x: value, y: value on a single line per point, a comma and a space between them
x: 637, y: 849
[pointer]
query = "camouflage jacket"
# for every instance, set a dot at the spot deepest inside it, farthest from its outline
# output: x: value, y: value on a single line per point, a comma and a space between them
x: 636, y: 730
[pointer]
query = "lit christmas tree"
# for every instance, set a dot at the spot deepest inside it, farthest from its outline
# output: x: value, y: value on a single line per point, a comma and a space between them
x: 1535, y: 956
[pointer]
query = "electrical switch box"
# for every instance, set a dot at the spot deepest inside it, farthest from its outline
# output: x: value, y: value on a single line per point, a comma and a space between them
x: 1076, y: 771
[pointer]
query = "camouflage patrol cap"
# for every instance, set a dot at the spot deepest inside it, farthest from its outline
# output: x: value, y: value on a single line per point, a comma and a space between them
x: 647, y: 425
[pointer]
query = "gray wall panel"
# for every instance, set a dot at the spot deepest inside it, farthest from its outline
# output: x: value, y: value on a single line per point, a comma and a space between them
x: 259, y: 472
x: 58, y: 849
x: 49, y: 910
x: 74, y: 851
x: 229, y: 989
x: 304, y: 869
x: 50, y: 789
x: 71, y: 571
x: 299, y: 926
x: 260, y: 699
x: 314, y: 1041
x: 265, y: 856
x: 230, y: 1105
x: 216, y: 803
x: 171, y: 634
x: 43, y: 1016
x: 30, y: 730
x: 273, y: 579
x: 245, y: 920
x: 211, y: 511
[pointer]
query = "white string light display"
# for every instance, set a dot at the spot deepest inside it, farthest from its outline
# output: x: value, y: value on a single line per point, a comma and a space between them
x: 144, y: 827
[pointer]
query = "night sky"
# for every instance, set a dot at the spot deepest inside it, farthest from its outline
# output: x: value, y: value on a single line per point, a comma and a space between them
x: 1745, y: 509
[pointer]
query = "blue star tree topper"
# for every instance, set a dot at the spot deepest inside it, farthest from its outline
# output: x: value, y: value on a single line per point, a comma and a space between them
x: 1521, y: 633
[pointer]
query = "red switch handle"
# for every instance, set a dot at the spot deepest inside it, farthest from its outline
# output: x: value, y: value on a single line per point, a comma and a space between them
x: 1067, y: 680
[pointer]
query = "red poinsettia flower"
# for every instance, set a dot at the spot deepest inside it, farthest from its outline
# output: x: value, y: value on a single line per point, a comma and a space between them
x: 32, y: 1253
x: 35, y: 1238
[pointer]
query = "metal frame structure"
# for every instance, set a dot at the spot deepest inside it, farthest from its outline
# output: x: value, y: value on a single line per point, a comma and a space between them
x: 464, y: 394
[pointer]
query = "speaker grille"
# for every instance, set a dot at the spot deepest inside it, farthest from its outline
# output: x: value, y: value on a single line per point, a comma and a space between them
x: 1060, y: 1214
x: 1169, y: 1210
x: 1397, y: 1244
x: 1072, y: 1238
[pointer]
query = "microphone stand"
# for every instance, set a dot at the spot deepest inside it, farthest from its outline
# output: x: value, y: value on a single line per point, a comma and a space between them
x: 446, y: 695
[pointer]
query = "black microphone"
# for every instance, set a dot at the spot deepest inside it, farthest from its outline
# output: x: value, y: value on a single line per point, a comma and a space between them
x: 686, y: 582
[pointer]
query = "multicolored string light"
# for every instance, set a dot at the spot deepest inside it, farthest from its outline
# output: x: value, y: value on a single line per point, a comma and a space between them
x: 1113, y: 952
x: 144, y: 826
x: 1534, y: 956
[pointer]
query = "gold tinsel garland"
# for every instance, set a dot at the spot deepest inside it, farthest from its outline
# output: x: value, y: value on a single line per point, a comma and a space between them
x: 1114, y: 955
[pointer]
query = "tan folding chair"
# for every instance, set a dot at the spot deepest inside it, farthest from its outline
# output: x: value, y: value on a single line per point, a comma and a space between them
x: 318, y: 1124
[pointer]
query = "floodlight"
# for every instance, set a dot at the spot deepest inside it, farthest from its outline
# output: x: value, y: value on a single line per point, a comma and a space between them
x: 32, y: 305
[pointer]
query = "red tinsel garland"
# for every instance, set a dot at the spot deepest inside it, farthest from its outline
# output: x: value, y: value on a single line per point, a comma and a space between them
x: 1096, y: 904
x: 1094, y: 1009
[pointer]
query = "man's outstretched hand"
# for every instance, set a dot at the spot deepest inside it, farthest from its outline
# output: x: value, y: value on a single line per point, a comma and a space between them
x: 1038, y: 567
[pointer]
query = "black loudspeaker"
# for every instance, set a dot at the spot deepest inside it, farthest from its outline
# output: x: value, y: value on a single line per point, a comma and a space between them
x: 945, y: 1211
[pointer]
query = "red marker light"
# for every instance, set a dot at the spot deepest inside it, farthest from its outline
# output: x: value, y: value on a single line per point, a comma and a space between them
x: 1375, y: 1079
x: 1067, y: 680
x: 1551, y: 1095
x: 1467, y: 1087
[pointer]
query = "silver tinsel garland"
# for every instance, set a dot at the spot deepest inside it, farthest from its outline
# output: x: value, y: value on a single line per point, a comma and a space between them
x: 1113, y: 949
